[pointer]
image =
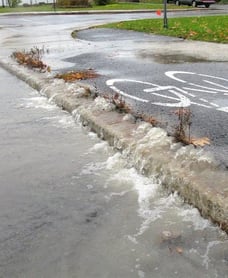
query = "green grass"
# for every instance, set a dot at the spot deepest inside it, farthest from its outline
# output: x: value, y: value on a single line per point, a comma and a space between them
x: 204, y: 28
x: 118, y: 6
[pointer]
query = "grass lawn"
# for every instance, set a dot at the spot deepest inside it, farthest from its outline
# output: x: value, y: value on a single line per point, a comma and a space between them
x: 202, y: 28
x: 118, y: 6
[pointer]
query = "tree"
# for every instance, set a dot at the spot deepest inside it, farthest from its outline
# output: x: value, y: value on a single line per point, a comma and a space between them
x: 13, y: 3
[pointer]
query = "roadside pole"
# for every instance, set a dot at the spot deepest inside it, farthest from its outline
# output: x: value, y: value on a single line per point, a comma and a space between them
x: 54, y: 5
x: 165, y: 20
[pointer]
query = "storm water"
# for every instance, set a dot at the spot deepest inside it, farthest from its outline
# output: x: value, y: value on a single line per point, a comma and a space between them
x: 71, y: 206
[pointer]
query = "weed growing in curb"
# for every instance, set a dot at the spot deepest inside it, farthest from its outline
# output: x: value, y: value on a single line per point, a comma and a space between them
x: 31, y: 59
x: 123, y: 107
x: 182, y: 131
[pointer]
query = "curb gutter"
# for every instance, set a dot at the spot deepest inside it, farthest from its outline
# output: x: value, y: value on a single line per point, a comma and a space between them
x: 93, y: 12
x: 185, y: 169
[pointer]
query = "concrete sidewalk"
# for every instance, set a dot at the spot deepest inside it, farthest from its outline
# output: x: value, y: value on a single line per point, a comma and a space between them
x: 185, y: 169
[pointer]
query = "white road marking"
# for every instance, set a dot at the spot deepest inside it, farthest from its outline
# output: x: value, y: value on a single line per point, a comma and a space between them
x: 180, y: 98
x: 171, y: 74
x: 216, y: 84
x: 110, y: 83
x: 223, y: 109
x: 199, y: 90
x: 157, y: 88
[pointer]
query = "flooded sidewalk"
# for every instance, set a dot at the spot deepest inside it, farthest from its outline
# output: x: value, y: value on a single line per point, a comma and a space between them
x: 71, y: 206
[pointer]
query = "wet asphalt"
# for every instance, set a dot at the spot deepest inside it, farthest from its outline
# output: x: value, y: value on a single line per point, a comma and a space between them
x: 127, y: 55
x: 135, y: 56
x: 55, y: 222
x: 72, y: 208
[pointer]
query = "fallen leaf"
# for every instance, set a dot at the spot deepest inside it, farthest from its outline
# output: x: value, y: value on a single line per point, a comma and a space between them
x: 77, y: 75
x: 200, y: 141
x: 179, y: 250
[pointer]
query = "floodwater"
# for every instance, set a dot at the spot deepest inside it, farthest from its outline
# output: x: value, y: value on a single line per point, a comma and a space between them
x: 71, y: 206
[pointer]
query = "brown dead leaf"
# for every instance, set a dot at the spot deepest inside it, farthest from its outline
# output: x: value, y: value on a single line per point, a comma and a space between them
x: 30, y: 59
x: 77, y: 75
x: 179, y: 250
x: 200, y: 141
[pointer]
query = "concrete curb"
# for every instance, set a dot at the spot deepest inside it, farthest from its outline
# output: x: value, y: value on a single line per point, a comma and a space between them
x: 95, y: 12
x: 184, y: 169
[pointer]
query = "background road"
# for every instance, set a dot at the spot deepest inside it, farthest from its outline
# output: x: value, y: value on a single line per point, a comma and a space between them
x: 135, y: 56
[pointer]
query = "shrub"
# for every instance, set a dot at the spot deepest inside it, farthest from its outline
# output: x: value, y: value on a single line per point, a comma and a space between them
x: 102, y: 2
x: 73, y: 3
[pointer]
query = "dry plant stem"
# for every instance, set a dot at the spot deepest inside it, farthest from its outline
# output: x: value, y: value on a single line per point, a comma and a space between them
x: 122, y: 106
x: 184, y: 124
x: 31, y: 59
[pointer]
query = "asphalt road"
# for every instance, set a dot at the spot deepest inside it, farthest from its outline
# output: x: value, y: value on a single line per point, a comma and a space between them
x: 159, y: 83
x: 131, y: 56
x: 77, y: 210
x: 70, y: 207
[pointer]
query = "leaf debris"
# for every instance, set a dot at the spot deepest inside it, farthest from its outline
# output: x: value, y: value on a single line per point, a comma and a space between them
x: 77, y: 75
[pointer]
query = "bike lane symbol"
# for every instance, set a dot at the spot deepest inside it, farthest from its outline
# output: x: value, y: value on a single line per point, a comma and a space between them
x: 177, y: 94
x: 209, y: 85
x: 172, y: 96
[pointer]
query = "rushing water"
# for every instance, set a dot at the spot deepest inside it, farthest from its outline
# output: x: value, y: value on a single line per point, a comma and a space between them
x: 71, y: 206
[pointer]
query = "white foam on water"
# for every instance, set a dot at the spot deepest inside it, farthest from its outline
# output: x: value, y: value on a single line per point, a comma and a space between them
x: 129, y: 118
x: 101, y: 103
x: 152, y: 209
x: 101, y: 146
x: 93, y: 168
x: 116, y: 162
x: 92, y: 135
x: 206, y: 256
x: 146, y: 189
x: 192, y: 215
x: 76, y: 117
x: 66, y: 121
x: 89, y: 186
x: 172, y: 200
x: 63, y: 121
x: 153, y: 136
x: 190, y: 153
x: 38, y: 102
x: 119, y: 194
x: 143, y: 128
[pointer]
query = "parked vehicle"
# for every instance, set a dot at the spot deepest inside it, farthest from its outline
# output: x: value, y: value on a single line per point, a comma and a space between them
x: 193, y: 3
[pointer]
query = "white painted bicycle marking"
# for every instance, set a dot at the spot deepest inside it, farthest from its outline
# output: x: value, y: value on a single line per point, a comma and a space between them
x: 183, y: 101
x: 214, y: 90
x: 111, y: 82
x: 173, y: 96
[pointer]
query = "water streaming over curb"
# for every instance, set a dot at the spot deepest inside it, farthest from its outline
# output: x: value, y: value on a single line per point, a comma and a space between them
x: 102, y: 218
x: 188, y: 171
